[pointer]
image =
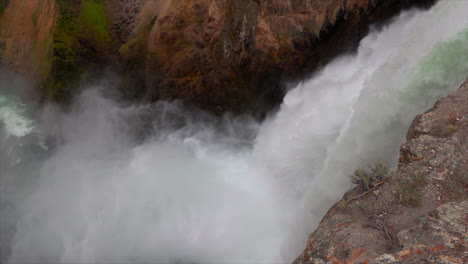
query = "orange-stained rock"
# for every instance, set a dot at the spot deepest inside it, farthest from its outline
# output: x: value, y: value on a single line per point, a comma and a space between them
x: 26, y: 29
x: 221, y: 55
x: 233, y: 55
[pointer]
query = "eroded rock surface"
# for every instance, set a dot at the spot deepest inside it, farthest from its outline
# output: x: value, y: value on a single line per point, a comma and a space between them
x: 123, y: 15
x: 420, y: 214
x: 233, y: 55
x: 221, y: 55
x: 26, y: 29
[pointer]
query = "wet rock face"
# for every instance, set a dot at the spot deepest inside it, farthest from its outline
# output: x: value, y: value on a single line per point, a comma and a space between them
x: 233, y: 55
x: 425, y: 223
x: 221, y: 55
x: 54, y: 42
x: 124, y: 16
x: 26, y: 28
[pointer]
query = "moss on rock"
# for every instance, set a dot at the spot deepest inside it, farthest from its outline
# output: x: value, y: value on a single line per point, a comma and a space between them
x: 3, y: 5
x: 94, y: 24
x: 81, y: 39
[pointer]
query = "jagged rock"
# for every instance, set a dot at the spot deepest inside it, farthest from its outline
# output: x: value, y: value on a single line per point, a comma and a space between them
x: 425, y: 223
x: 233, y: 55
x: 218, y: 54
x: 124, y: 18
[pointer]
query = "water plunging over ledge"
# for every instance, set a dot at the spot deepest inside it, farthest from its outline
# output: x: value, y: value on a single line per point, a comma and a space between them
x: 161, y: 183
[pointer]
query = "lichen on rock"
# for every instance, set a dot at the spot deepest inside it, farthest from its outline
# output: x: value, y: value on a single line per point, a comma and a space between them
x: 381, y: 227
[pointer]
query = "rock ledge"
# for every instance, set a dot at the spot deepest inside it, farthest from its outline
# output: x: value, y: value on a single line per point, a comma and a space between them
x: 420, y: 214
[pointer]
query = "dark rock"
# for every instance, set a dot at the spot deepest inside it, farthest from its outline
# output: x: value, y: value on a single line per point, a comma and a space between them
x: 236, y: 55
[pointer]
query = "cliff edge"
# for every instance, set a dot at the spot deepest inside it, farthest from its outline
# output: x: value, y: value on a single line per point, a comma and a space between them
x: 417, y: 215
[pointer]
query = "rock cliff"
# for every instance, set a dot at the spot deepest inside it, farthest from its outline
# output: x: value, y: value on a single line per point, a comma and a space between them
x: 55, y: 42
x: 235, y: 54
x: 419, y: 214
x: 217, y: 54
x: 26, y: 29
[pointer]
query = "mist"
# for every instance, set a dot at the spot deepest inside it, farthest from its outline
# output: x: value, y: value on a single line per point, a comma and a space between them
x: 107, y: 181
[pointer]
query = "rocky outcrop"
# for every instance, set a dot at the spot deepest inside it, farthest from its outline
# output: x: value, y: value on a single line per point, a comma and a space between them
x: 420, y: 214
x: 26, y: 29
x: 55, y: 42
x: 222, y: 54
x: 124, y: 18
x: 217, y: 54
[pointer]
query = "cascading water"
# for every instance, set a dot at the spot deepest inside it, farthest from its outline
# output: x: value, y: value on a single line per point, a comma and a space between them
x: 161, y: 183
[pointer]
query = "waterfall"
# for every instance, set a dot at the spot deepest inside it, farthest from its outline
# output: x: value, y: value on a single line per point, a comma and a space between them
x: 162, y: 183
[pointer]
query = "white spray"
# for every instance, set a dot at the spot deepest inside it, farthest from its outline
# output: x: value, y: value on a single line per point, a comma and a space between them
x: 159, y: 183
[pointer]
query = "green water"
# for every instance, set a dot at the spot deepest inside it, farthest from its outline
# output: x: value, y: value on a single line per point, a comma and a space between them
x: 440, y: 71
x: 13, y: 117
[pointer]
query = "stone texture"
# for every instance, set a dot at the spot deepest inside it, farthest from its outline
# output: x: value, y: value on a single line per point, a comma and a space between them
x: 26, y: 29
x: 123, y: 15
x: 385, y: 226
x: 234, y: 55
x: 220, y: 55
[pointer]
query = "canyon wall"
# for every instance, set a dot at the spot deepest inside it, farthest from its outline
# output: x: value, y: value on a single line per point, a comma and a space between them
x: 235, y: 55
x: 26, y: 29
x: 220, y: 55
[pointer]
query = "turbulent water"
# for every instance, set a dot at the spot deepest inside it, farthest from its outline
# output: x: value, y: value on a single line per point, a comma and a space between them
x: 160, y: 183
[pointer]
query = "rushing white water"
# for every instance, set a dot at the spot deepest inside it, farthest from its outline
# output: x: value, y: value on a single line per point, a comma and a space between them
x: 161, y: 183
